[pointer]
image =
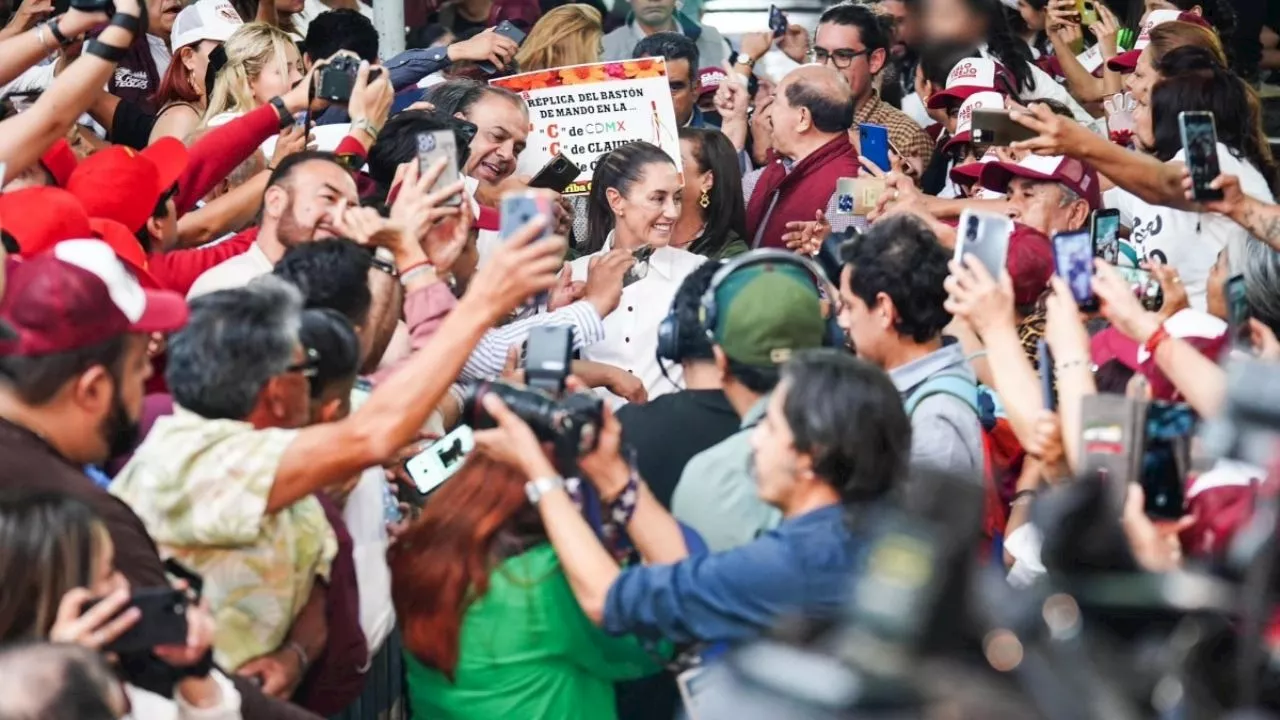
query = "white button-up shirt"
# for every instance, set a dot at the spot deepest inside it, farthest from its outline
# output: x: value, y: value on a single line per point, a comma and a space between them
x: 631, y: 331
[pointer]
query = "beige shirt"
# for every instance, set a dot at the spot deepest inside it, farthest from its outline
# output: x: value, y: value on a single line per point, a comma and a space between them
x: 232, y: 273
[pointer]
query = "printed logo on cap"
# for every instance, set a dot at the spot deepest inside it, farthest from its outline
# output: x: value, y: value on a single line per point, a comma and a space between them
x: 983, y: 100
x: 971, y: 72
x: 1154, y: 18
x: 228, y: 13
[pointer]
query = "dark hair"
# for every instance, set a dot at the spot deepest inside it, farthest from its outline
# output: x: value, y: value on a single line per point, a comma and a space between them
x: 672, y: 46
x: 901, y: 258
x: 287, y: 166
x: 829, y: 114
x: 1003, y: 44
x: 759, y: 379
x: 217, y: 60
x: 160, y: 212
x: 343, y: 29
x: 425, y: 36
x: 398, y: 143
x: 331, y: 274
x: 1113, y: 377
x: 871, y: 31
x: 37, y: 378
x: 460, y: 94
x: 48, y: 680
x: 1221, y: 16
x: 620, y: 169
x: 848, y: 416
x: 687, y: 306
x: 726, y: 215
x: 330, y: 334
x: 938, y: 58
x: 1204, y: 85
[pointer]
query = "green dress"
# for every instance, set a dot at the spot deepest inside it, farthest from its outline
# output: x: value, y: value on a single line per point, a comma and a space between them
x: 527, y: 651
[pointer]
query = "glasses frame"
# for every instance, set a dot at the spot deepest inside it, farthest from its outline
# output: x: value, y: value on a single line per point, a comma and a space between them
x: 813, y: 56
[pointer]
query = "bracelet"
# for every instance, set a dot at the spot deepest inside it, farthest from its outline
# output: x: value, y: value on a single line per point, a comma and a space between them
x: 44, y: 41
x: 1021, y: 495
x: 623, y: 507
x: 300, y: 651
x: 413, y: 266
x: 286, y: 119
x: 368, y: 127
x: 415, y: 272
x: 1157, y: 337
x: 1068, y: 364
x: 110, y: 53
x: 63, y: 40
x: 124, y: 21
x: 384, y: 266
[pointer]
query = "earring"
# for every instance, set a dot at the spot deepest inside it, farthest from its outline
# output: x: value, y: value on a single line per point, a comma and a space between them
x: 705, y: 201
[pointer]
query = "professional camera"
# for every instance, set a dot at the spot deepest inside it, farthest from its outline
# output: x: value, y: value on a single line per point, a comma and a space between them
x: 337, y: 78
x: 572, y: 423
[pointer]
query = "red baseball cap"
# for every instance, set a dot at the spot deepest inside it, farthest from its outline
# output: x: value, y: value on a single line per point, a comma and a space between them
x: 79, y: 294
x: 126, y: 247
x: 60, y: 160
x: 1081, y: 178
x: 124, y: 185
x: 40, y: 217
x: 970, y: 173
x: 969, y: 76
x: 1203, y: 331
x: 709, y: 79
x: 1126, y: 62
x: 1029, y: 262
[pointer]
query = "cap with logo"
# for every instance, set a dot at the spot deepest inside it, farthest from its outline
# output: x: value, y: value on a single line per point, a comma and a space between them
x: 709, y: 79
x: 212, y: 20
x: 124, y: 185
x: 766, y: 312
x: 1127, y: 61
x: 984, y: 100
x: 77, y: 295
x: 969, y: 76
x: 1079, y: 177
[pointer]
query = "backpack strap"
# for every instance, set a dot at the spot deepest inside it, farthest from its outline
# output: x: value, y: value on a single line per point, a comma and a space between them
x: 956, y: 385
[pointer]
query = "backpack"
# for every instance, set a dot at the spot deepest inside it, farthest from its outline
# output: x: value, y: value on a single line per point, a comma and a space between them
x: 1002, y: 454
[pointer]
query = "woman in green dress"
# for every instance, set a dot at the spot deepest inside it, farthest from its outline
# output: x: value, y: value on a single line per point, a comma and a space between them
x: 491, y: 629
x: 713, y: 216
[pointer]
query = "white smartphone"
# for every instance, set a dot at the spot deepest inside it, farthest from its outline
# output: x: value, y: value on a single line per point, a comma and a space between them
x: 434, y: 145
x: 986, y: 237
x: 431, y: 467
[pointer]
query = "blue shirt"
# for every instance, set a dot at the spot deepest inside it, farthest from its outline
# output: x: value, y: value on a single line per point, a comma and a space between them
x: 803, y: 565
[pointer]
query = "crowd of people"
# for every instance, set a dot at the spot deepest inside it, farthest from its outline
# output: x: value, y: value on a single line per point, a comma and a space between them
x: 233, y: 311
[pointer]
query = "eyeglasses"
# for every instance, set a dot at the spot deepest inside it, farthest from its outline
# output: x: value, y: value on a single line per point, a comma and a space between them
x: 310, y: 365
x: 840, y: 58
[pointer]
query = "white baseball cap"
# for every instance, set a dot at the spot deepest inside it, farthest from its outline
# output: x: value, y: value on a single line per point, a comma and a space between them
x: 205, y: 20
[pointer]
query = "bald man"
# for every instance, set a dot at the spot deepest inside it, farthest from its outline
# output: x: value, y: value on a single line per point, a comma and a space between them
x: 810, y: 116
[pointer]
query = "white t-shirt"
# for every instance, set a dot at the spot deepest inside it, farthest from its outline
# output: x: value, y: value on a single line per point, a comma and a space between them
x: 1188, y: 241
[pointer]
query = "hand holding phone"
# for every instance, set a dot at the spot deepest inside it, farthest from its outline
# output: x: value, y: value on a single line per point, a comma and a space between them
x: 1073, y: 262
x: 440, y: 460
x: 1200, y: 146
x: 556, y: 175
x: 507, y: 30
x: 777, y: 21
x: 985, y: 236
x: 993, y: 126
x: 434, y: 146
x: 873, y: 144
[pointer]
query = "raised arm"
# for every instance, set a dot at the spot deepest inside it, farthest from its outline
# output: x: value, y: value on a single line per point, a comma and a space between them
x: 1261, y: 219
x: 23, y: 50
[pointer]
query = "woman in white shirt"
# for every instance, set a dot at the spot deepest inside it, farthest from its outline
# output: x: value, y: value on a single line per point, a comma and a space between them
x: 634, y: 203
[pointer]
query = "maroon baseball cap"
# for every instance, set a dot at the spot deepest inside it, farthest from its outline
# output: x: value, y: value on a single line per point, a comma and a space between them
x: 709, y: 79
x: 1126, y: 62
x: 1029, y: 262
x: 1068, y: 171
x: 79, y: 294
x: 124, y: 185
x: 1201, y: 330
x: 969, y: 76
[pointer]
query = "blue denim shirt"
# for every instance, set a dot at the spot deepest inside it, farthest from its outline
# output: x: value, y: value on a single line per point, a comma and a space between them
x: 803, y: 565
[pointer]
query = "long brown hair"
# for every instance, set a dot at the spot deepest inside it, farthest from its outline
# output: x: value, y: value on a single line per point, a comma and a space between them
x: 442, y: 563
x: 567, y: 35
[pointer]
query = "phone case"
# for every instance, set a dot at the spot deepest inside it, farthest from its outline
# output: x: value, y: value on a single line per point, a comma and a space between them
x: 440, y: 460
x: 1109, y: 438
x: 432, y: 146
x: 874, y: 144
x: 163, y: 621
x: 506, y: 29
x: 556, y: 175
x: 519, y: 208
x: 994, y: 127
x: 985, y: 236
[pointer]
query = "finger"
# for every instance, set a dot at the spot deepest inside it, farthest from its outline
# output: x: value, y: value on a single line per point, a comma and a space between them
x: 574, y: 383
x: 108, y: 633
x: 71, y: 605
x: 105, y: 609
x: 444, y: 193
x: 513, y: 360
x: 498, y: 410
x: 362, y: 79
x: 523, y: 238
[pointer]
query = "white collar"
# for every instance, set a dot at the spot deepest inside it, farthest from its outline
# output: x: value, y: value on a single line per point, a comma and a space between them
x: 662, y: 260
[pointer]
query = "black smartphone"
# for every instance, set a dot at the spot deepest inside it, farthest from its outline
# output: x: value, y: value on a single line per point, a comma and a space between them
x: 1237, y: 311
x: 547, y: 355
x: 556, y: 175
x: 163, y: 621
x: 1104, y: 229
x: 993, y: 126
x: 777, y: 21
x: 506, y: 29
x: 1073, y: 262
x: 1047, y: 380
x: 1200, y: 143
x: 1165, y: 456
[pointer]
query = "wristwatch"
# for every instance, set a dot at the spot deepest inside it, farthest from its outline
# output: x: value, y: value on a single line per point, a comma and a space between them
x: 537, y: 487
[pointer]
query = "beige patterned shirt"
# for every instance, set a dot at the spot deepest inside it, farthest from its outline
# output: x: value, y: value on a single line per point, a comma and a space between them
x: 201, y: 488
x: 906, y: 135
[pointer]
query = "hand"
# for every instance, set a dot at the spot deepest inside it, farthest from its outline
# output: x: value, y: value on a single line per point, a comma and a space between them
x: 1106, y: 30
x: 291, y: 140
x: 1062, y: 15
x: 1064, y: 333
x: 1058, y: 135
x: 1263, y: 340
x: 31, y: 12
x: 96, y: 627
x: 75, y: 23
x: 512, y: 442
x: 566, y: 291
x: 1046, y: 439
x: 366, y: 227
x: 295, y: 101
x: 795, y: 43
x: 604, y: 280
x: 1118, y: 303
x: 563, y: 216
x: 732, y: 101
x: 806, y: 236
x: 522, y: 266
x: 761, y: 127
x: 1175, y: 293
x: 1233, y: 197
x: 371, y: 100
x: 900, y: 192
x: 200, y: 631
x: 627, y: 386
x: 279, y: 672
x: 511, y: 371
x: 755, y: 44
x: 978, y: 298
x: 486, y: 46
x: 604, y: 466
x: 869, y: 166
x: 1154, y: 544
x: 418, y: 212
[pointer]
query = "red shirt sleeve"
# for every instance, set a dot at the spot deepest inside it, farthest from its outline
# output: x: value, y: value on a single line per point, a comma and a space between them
x: 220, y: 151
x: 178, y: 270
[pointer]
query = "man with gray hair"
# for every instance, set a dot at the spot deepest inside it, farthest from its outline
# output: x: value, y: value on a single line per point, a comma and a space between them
x: 225, y: 484
x: 1052, y: 194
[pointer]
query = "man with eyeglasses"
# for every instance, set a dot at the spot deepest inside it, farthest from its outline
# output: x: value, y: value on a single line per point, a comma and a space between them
x: 853, y: 39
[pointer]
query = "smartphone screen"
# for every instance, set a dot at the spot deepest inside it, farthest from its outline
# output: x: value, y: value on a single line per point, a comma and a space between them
x: 1237, y: 309
x: 1106, y: 235
x: 434, y: 145
x: 442, y: 458
x: 1073, y: 261
x: 1200, y: 141
x: 1167, y: 426
x: 777, y: 21
x: 873, y: 142
x: 986, y: 237
x: 1047, y: 380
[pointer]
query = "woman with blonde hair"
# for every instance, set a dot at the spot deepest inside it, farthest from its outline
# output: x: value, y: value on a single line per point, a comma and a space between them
x: 262, y: 62
x: 567, y: 35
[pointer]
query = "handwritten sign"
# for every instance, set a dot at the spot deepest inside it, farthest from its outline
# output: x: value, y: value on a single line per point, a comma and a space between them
x: 585, y: 111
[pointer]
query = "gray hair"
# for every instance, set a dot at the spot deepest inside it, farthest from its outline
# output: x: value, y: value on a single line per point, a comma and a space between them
x: 1261, y: 268
x: 233, y: 343
x: 1068, y: 196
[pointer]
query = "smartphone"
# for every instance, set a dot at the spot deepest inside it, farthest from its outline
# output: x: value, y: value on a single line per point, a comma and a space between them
x: 556, y: 175
x: 1238, y: 311
x: 1047, y: 380
x: 516, y: 210
x: 442, y: 458
x: 1088, y: 12
x: 873, y: 143
x: 1165, y: 456
x: 1073, y: 261
x: 506, y: 29
x: 434, y: 145
x: 986, y: 237
x: 1200, y: 141
x: 547, y: 355
x: 993, y: 126
x: 639, y: 270
x: 777, y: 21
x: 163, y: 621
x: 1104, y: 229
x: 360, y: 393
